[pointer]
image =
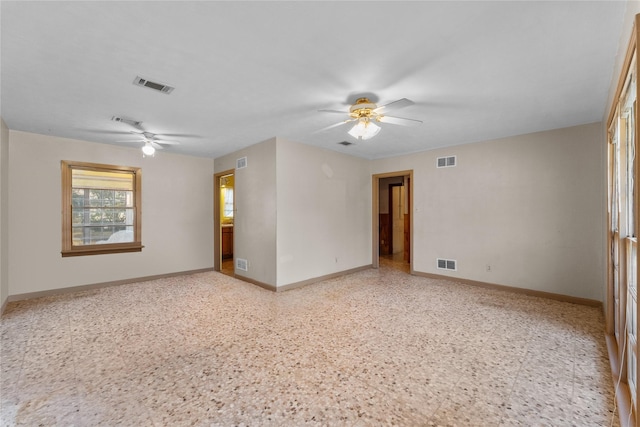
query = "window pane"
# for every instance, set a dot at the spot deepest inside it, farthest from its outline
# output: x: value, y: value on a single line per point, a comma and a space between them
x: 616, y: 187
x: 102, y: 207
x: 77, y: 197
x: 94, y: 197
x: 123, y: 198
x: 77, y: 216
x: 228, y: 203
x: 631, y: 373
x: 95, y: 235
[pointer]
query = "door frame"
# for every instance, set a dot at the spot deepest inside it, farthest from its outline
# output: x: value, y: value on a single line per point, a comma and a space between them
x: 217, y: 231
x: 375, y: 214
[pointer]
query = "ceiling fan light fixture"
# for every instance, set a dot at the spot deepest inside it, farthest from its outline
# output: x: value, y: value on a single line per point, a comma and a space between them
x: 365, y: 113
x: 364, y: 129
x: 148, y: 149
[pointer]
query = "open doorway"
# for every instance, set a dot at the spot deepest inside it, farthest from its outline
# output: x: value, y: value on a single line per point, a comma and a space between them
x: 224, y: 211
x: 392, y: 220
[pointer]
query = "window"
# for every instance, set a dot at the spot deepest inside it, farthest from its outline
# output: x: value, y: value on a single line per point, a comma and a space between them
x: 226, y: 199
x: 100, y: 209
x: 622, y: 309
x: 228, y: 203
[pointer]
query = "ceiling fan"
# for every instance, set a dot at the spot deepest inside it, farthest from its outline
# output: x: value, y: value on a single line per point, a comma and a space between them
x: 365, y: 113
x: 152, y: 141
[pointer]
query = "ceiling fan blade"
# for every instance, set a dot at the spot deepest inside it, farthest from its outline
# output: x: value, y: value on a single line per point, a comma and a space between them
x: 399, y: 121
x: 141, y: 133
x: 400, y: 103
x: 156, y: 146
x: 165, y: 141
x: 178, y: 135
x: 333, y: 111
x: 132, y: 140
x: 107, y: 132
x: 335, y: 125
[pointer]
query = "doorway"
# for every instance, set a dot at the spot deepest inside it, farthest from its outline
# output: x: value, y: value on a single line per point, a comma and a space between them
x: 392, y: 220
x: 224, y: 212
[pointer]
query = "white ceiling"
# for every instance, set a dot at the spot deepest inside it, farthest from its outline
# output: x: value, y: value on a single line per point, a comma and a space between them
x: 245, y: 72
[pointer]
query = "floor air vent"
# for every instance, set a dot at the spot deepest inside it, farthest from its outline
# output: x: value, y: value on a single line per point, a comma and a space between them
x: 447, y: 264
x: 446, y: 162
x: 242, y: 264
x: 160, y: 87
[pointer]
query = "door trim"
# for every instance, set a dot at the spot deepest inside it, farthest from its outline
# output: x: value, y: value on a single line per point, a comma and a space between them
x: 375, y: 215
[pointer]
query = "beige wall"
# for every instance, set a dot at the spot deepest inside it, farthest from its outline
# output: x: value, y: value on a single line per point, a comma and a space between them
x: 529, y: 206
x: 4, y: 212
x: 254, y: 229
x: 299, y: 211
x: 324, y: 212
x: 177, y: 215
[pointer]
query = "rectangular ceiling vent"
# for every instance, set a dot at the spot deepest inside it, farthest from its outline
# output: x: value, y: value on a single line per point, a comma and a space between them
x: 446, y: 264
x: 160, y: 87
x: 241, y: 163
x: 446, y: 162
x: 127, y: 121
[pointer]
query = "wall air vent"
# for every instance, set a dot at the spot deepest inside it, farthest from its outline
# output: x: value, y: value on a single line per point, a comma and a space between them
x: 242, y: 264
x: 345, y: 143
x: 241, y: 163
x: 447, y: 264
x: 160, y: 87
x: 127, y: 121
x: 446, y: 162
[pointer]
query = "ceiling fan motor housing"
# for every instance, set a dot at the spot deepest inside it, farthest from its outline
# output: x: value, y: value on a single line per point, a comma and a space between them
x: 363, y: 109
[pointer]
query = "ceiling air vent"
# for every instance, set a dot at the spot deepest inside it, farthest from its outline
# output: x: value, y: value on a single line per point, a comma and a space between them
x: 127, y: 121
x: 446, y: 162
x: 160, y: 87
x: 345, y: 143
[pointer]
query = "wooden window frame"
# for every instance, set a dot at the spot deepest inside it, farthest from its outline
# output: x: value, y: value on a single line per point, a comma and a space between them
x: 68, y: 250
x: 617, y: 339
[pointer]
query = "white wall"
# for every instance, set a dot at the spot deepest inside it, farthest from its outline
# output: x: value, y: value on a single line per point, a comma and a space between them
x: 177, y: 215
x: 254, y: 225
x: 530, y: 206
x: 324, y: 212
x: 4, y: 212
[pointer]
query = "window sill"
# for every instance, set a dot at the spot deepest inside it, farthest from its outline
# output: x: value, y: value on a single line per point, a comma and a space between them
x: 103, y: 249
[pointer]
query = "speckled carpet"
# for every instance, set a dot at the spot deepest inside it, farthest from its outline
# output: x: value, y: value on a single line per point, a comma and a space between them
x: 379, y: 347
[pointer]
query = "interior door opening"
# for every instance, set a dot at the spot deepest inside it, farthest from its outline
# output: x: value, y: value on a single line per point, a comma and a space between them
x: 392, y: 230
x: 224, y: 213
